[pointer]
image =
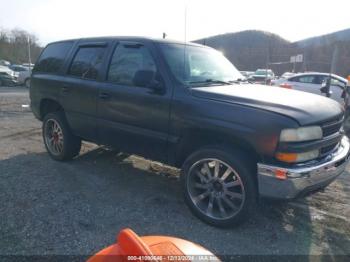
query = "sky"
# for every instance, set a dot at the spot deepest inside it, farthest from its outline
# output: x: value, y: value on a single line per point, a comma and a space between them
x: 293, y: 20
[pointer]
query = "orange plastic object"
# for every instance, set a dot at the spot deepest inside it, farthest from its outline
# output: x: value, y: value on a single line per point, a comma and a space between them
x: 131, y: 247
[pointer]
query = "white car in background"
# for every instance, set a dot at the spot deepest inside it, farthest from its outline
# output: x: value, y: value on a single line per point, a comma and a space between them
x: 282, y: 78
x: 312, y: 83
x: 23, y: 74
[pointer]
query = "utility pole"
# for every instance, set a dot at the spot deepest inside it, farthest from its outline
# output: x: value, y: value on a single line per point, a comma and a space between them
x: 29, y: 54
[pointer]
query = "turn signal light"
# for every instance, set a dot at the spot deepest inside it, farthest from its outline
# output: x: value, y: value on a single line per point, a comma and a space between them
x: 281, y: 174
x: 285, y: 85
x: 287, y: 157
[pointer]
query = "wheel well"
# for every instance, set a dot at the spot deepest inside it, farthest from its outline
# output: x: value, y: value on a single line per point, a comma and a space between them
x: 49, y: 106
x: 197, y: 139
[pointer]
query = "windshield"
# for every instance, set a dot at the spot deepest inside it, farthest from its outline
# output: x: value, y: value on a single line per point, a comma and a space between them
x: 263, y: 72
x: 195, y: 64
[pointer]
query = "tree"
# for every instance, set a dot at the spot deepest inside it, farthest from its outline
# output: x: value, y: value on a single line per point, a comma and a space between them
x: 14, y: 46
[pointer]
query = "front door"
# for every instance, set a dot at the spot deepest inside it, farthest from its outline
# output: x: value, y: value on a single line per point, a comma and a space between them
x: 133, y: 118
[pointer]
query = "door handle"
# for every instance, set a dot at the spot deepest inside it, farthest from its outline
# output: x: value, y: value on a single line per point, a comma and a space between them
x: 104, y: 95
x: 65, y: 89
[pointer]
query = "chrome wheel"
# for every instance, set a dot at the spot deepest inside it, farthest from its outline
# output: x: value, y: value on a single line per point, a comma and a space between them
x: 215, y: 189
x: 53, y: 137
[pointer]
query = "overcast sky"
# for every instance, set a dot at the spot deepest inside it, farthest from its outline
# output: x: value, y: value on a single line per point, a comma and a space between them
x: 54, y: 20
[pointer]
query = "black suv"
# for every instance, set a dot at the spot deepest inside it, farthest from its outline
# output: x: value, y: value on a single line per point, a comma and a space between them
x: 186, y: 105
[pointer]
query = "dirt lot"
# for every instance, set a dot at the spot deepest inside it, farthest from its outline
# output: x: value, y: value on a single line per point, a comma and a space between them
x: 77, y: 207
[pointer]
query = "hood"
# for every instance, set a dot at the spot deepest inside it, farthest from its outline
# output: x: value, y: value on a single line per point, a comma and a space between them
x: 304, y: 107
x: 5, y: 69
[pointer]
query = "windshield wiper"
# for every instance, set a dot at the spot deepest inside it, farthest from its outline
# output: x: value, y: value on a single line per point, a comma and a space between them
x: 211, y: 81
x: 240, y: 80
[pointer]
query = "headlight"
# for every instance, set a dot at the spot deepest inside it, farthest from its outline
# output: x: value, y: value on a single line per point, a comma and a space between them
x: 301, y: 134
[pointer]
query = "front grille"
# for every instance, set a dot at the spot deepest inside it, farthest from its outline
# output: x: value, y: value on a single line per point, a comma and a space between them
x: 332, y: 127
x: 328, y: 149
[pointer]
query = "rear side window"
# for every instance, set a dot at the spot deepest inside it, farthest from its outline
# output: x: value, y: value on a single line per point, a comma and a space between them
x: 303, y: 79
x: 127, y: 60
x: 52, y: 58
x: 87, y: 62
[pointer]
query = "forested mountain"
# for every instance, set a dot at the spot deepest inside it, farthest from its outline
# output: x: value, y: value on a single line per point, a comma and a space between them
x: 14, y: 46
x: 343, y: 35
x: 251, y: 49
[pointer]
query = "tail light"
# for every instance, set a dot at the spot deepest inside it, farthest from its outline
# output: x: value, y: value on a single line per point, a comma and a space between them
x: 285, y: 85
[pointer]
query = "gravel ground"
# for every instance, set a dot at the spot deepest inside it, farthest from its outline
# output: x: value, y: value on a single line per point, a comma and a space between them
x: 77, y: 207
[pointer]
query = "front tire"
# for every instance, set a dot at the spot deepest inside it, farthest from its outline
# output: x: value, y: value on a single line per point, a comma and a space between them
x: 59, y: 141
x: 219, y: 185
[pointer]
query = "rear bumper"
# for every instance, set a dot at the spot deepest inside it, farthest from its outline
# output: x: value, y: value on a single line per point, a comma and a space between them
x: 303, y: 179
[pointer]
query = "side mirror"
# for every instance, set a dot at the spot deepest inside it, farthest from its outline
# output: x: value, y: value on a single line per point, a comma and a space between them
x: 326, y: 87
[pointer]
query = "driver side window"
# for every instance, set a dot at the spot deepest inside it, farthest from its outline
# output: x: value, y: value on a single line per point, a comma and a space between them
x: 126, y: 61
x: 307, y: 79
x: 336, y: 82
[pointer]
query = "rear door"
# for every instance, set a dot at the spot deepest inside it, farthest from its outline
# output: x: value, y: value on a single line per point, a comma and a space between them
x: 305, y: 83
x: 80, y: 89
x: 337, y: 88
x: 133, y: 118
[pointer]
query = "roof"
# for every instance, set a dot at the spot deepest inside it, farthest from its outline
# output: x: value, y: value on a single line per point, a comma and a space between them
x: 320, y: 74
x: 130, y: 38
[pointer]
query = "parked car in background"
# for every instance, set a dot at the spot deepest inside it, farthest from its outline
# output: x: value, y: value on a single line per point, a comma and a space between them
x: 247, y: 74
x: 4, y: 63
x: 262, y: 76
x: 17, y: 69
x: 23, y: 74
x: 312, y: 83
x: 282, y: 78
x: 7, y: 76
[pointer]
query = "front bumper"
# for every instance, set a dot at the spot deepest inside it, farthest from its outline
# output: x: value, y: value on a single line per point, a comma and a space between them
x: 303, y: 178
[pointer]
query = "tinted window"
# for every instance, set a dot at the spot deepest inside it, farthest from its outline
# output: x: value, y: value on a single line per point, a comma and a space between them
x: 126, y: 61
x: 319, y: 79
x: 53, y: 57
x: 87, y: 62
x: 303, y: 79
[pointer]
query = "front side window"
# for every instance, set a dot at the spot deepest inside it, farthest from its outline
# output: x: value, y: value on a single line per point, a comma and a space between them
x: 87, y: 62
x: 337, y: 82
x: 307, y: 79
x: 319, y: 79
x: 303, y: 79
x: 127, y: 60
x: 195, y: 64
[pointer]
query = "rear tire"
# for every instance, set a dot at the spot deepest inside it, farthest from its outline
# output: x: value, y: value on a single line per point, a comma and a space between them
x: 59, y: 141
x: 227, y: 195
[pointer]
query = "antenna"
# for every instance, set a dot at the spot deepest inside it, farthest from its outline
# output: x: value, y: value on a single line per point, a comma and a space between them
x: 29, y: 54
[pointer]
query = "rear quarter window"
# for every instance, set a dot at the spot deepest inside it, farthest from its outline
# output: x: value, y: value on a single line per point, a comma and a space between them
x: 52, y: 58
